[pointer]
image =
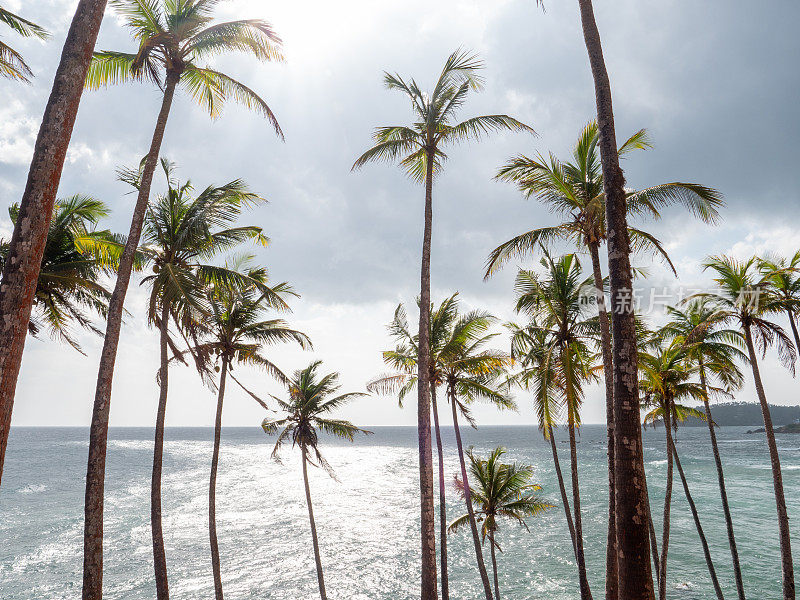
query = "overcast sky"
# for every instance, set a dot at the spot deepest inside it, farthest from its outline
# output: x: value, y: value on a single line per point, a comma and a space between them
x: 715, y: 82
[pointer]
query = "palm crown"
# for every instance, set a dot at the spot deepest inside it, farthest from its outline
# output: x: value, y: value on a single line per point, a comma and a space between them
x: 12, y: 65
x: 435, y: 125
x: 174, y: 36
x: 574, y: 190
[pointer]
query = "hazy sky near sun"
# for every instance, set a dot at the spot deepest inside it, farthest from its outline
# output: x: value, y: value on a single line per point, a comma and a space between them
x: 715, y: 82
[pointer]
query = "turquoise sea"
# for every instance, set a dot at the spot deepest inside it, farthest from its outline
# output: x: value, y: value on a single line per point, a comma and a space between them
x: 367, y: 521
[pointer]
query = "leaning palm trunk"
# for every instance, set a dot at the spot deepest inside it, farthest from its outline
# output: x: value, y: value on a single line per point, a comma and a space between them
x: 159, y: 554
x: 662, y: 577
x: 494, y: 566
x: 653, y: 541
x: 442, y: 503
x: 317, y: 557
x: 427, y: 514
x: 468, y: 500
x: 212, y: 486
x: 634, y: 575
x: 612, y: 587
x: 726, y: 509
x: 563, y: 489
x: 777, y: 477
x: 98, y: 432
x: 706, y: 551
x: 21, y: 268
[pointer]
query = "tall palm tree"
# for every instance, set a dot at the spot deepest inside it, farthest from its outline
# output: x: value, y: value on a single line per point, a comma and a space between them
x: 181, y: 233
x: 784, y: 276
x: 76, y: 256
x: 666, y: 375
x: 745, y: 298
x: 403, y: 359
x: 25, y: 250
x: 12, y: 65
x: 557, y: 305
x: 574, y: 190
x: 634, y: 580
x: 501, y: 490
x: 419, y: 150
x: 235, y: 333
x: 706, y: 343
x: 173, y: 38
x: 305, y: 414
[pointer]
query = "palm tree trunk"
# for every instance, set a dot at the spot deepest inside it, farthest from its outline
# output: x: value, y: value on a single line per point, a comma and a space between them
x: 653, y: 541
x: 790, y: 314
x: 726, y: 509
x: 98, y: 431
x: 212, y: 486
x: 634, y: 575
x: 159, y: 555
x: 706, y: 551
x: 427, y: 514
x: 777, y: 476
x: 612, y: 585
x: 562, y: 488
x: 494, y: 566
x: 317, y: 557
x: 487, y: 588
x: 662, y: 578
x: 21, y: 268
x: 442, y: 503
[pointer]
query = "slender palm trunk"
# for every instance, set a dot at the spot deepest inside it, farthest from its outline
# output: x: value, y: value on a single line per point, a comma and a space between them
x: 706, y: 551
x: 612, y: 585
x: 726, y: 509
x: 442, y: 502
x: 630, y: 488
x: 653, y: 541
x: 427, y: 514
x: 662, y: 577
x: 487, y: 588
x: 212, y: 486
x: 777, y: 476
x: 562, y: 488
x: 317, y: 557
x: 159, y: 555
x: 790, y: 315
x: 494, y: 566
x: 21, y: 268
x: 98, y: 431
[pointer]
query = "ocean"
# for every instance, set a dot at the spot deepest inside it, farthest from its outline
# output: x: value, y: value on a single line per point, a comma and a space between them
x: 367, y: 521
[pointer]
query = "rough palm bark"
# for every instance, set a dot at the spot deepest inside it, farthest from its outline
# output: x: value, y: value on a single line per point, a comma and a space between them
x: 212, y: 486
x: 726, y: 509
x: 494, y: 566
x: 442, y: 499
x: 634, y: 573
x: 787, y: 569
x: 428, y: 586
x: 21, y: 269
x: 314, y: 541
x: 98, y: 431
x: 662, y: 576
x: 563, y: 490
x: 487, y: 589
x: 612, y: 588
x: 706, y: 551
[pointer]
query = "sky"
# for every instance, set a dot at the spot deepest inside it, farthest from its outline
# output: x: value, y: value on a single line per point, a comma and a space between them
x: 714, y: 82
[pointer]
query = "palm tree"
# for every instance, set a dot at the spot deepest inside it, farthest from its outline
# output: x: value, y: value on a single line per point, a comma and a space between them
x: 235, y: 333
x: 173, y: 37
x: 557, y: 305
x: 419, y: 150
x: 745, y: 298
x: 502, y: 490
x: 666, y: 375
x: 72, y: 266
x: 25, y: 250
x: 403, y: 380
x: 305, y: 414
x: 574, y: 190
x: 181, y: 232
x: 705, y: 342
x: 12, y: 65
x: 785, y: 281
